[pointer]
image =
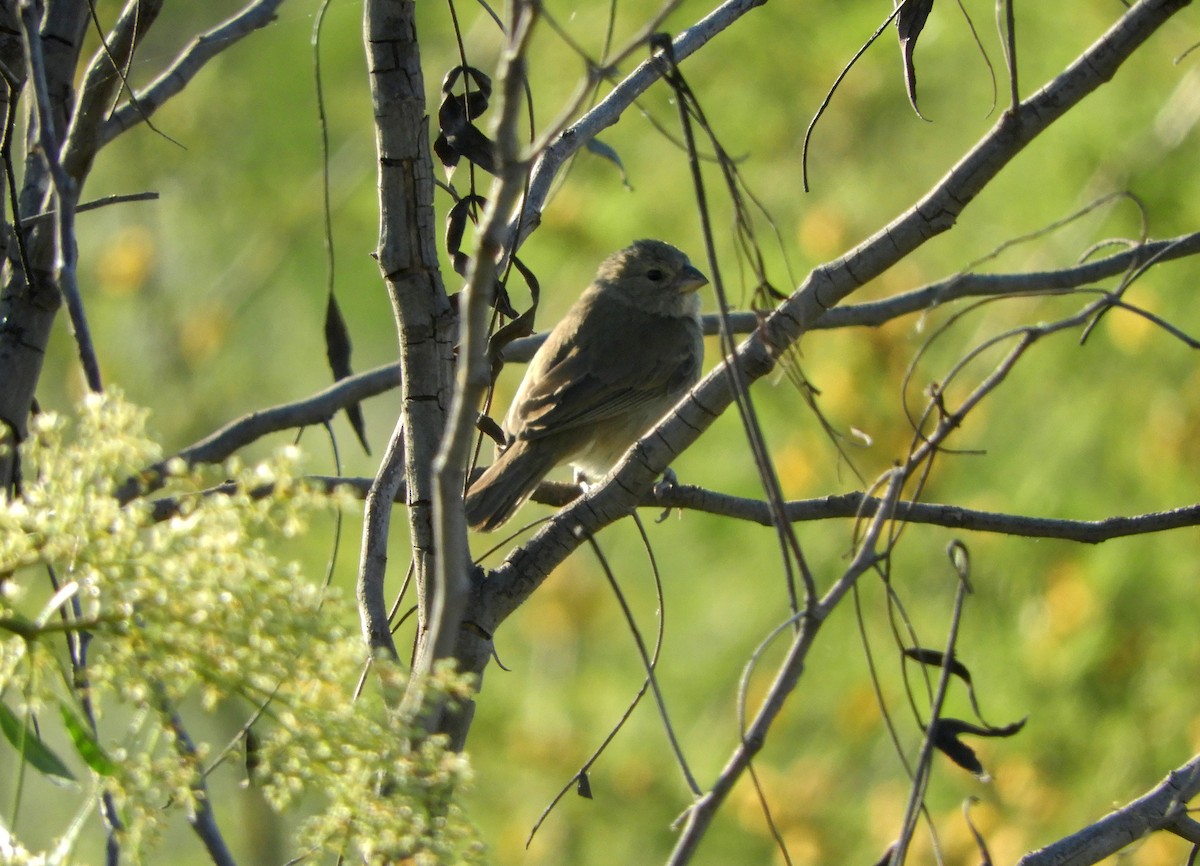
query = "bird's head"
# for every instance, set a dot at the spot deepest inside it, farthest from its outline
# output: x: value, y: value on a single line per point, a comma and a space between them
x: 653, y: 276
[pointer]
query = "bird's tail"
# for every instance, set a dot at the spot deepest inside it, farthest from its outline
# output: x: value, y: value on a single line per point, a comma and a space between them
x: 507, y: 483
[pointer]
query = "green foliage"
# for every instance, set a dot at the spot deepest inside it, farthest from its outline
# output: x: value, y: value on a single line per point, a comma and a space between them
x: 198, y: 609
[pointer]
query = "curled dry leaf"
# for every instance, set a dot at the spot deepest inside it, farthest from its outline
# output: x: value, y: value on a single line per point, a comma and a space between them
x: 458, y: 136
x: 909, y: 24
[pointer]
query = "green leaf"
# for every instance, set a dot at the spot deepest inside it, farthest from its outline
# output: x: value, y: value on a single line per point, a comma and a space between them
x: 30, y: 746
x: 85, y: 743
x: 607, y: 152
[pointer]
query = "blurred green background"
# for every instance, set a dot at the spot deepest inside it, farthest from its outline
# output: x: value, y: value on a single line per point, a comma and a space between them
x: 208, y: 303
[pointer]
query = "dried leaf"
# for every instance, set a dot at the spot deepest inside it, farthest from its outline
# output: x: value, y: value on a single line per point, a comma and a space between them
x: 520, y: 326
x: 909, y: 24
x: 936, y: 658
x: 338, y: 349
x: 946, y: 733
x: 458, y: 136
x: 252, y: 753
x: 461, y: 213
x: 487, y: 425
x: 582, y: 786
x: 465, y: 211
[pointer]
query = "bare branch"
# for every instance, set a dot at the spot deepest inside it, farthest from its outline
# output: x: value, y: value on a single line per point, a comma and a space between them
x: 179, y: 74
x: 104, y: 75
x: 1160, y: 809
x: 372, y: 564
x: 31, y: 294
x: 610, y: 109
x: 994, y: 285
x: 94, y: 204
x: 858, y: 504
x: 702, y: 812
x: 855, y: 505
x: 240, y: 432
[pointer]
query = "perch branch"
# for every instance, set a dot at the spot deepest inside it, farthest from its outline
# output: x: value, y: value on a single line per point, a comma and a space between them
x: 325, y: 404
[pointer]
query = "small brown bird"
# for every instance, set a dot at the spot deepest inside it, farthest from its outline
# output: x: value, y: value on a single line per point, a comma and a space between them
x: 623, y: 355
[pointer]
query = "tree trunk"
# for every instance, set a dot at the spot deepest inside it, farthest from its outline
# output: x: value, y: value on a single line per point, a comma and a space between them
x: 425, y: 321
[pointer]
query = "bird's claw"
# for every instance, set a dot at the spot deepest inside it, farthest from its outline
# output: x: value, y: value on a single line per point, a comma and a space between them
x: 662, y: 487
x: 667, y: 483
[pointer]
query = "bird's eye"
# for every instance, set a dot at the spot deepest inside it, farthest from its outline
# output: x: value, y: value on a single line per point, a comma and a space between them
x: 654, y: 275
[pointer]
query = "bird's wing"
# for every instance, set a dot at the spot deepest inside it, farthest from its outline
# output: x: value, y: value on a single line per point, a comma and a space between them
x: 588, y: 381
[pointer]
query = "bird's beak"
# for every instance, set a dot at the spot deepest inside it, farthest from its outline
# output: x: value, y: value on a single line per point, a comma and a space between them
x: 690, y: 279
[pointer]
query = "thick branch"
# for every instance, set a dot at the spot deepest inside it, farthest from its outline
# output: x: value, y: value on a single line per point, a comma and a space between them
x: 425, y: 322
x: 29, y: 302
x: 1160, y: 809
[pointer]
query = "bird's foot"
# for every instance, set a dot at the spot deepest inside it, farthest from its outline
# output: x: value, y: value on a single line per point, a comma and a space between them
x: 662, y: 487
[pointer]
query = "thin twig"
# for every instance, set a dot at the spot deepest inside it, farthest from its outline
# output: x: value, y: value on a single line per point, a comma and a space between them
x: 611, y: 108
x: 648, y: 666
x: 701, y: 814
x: 1007, y: 25
x: 789, y: 545
x: 94, y: 204
x: 81, y: 141
x: 920, y: 783
x: 855, y: 506
x: 200, y: 815
x: 659, y: 634
x: 452, y: 570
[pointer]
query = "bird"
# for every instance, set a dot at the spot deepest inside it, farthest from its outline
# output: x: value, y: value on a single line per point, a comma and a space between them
x: 626, y: 351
